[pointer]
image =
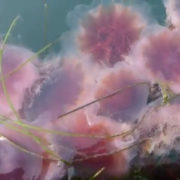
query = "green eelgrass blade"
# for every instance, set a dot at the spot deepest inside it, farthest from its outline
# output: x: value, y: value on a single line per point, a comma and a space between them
x: 167, y: 93
x: 12, y: 25
x: 31, y: 58
x: 3, y: 83
x: 111, y: 152
x: 118, y: 91
x: 37, y: 128
x: 45, y: 20
x: 20, y: 147
x: 97, y: 174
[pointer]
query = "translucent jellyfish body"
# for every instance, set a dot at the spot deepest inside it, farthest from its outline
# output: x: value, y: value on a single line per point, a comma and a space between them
x: 159, y: 57
x: 20, y: 81
x: 160, y: 127
x: 58, y: 93
x: 23, y: 158
x: 54, y: 170
x: 90, y: 154
x: 14, y: 163
x: 173, y: 12
x: 108, y: 33
x: 127, y: 104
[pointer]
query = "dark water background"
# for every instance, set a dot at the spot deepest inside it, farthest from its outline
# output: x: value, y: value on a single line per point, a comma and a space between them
x: 30, y: 30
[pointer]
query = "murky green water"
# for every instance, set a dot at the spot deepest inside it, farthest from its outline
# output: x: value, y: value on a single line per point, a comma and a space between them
x: 30, y: 30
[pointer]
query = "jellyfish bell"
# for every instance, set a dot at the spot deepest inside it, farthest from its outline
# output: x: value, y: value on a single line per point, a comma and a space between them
x: 56, y: 170
x: 173, y: 12
x: 127, y: 104
x: 62, y: 88
x: 18, y: 82
x: 82, y: 150
x: 160, y: 126
x: 158, y: 55
x: 16, y: 163
x: 107, y: 33
x: 23, y: 157
x: 65, y: 88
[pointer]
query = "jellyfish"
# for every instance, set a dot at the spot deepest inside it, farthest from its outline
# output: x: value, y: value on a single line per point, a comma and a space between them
x: 16, y: 163
x: 160, y: 126
x: 109, y: 32
x: 55, y: 170
x: 23, y: 157
x: 127, y: 104
x: 159, y: 56
x: 19, y: 82
x: 82, y: 151
x: 60, y: 92
x: 173, y: 12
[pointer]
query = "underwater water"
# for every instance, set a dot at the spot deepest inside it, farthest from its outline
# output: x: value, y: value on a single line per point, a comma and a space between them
x: 35, y: 19
x: 89, y: 89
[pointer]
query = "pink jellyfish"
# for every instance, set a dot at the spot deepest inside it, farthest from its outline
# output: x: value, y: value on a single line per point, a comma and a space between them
x: 173, y: 12
x: 33, y: 162
x: 62, y: 91
x: 127, y: 104
x: 15, y: 163
x: 82, y: 151
x: 108, y: 33
x: 159, y: 57
x: 160, y: 126
x: 20, y: 81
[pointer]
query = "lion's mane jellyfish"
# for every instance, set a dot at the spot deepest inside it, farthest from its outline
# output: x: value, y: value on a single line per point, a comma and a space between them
x: 14, y: 162
x: 159, y: 55
x: 32, y: 162
x: 20, y: 81
x: 173, y: 12
x: 108, y: 33
x: 128, y: 104
x: 85, y: 152
x: 160, y: 126
x: 62, y: 90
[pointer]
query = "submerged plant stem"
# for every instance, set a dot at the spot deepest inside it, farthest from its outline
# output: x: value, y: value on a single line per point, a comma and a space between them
x: 45, y: 21
x: 102, y: 98
x: 112, y: 152
x: 97, y: 174
x: 3, y: 83
x: 31, y: 58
